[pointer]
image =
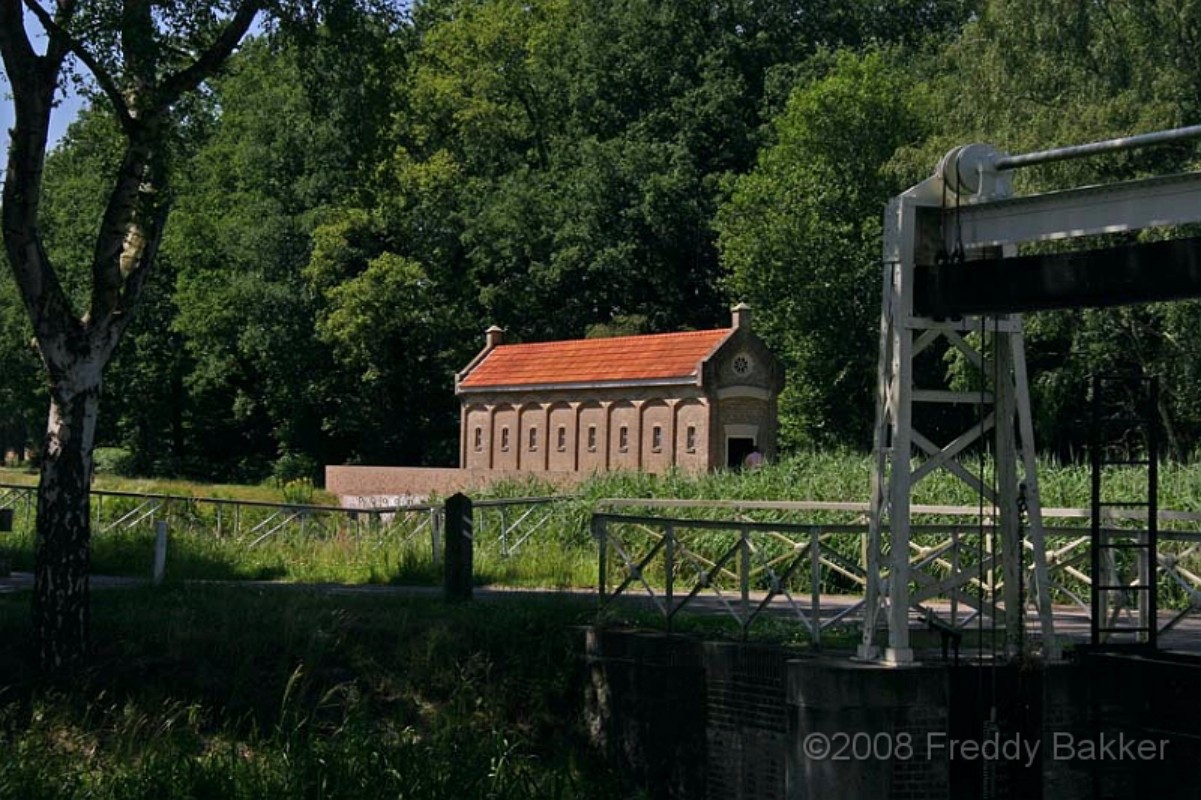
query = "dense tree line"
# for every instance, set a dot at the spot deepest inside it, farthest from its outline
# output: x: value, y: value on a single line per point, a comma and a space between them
x: 351, y: 209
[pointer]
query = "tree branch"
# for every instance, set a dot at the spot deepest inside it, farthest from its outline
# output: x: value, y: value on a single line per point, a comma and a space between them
x: 121, y: 236
x: 211, y: 59
x: 57, y: 49
x: 14, y: 43
x: 33, y: 80
x: 140, y: 55
x: 103, y: 79
x: 130, y: 229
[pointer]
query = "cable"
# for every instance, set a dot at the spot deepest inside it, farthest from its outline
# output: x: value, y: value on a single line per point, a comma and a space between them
x: 996, y: 506
x: 989, y: 726
x: 982, y: 378
x: 987, y: 776
x: 1023, y: 510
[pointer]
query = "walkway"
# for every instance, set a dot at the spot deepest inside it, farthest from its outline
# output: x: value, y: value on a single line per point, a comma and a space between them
x: 1070, y: 622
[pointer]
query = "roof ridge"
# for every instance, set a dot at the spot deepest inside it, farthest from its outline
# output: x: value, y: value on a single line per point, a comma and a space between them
x: 666, y: 334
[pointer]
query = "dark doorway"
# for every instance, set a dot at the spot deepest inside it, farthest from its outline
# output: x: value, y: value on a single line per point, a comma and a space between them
x: 737, y: 449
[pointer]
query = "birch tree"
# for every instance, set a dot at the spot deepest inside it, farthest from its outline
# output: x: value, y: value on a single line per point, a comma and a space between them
x: 142, y: 57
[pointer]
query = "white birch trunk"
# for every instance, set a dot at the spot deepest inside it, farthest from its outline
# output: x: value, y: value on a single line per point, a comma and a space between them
x: 63, y: 552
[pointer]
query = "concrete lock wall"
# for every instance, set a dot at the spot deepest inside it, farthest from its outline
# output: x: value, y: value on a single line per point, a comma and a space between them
x: 692, y: 719
x: 863, y: 731
x: 689, y: 719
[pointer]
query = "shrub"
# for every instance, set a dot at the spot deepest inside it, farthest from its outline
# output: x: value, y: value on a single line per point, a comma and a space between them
x: 114, y: 461
x: 293, y: 467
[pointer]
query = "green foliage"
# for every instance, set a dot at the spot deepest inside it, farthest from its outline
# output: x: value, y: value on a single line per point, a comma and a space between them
x: 238, y: 240
x: 353, y: 203
x: 801, y: 238
x: 298, y: 491
x: 299, y: 695
x: 23, y: 395
x: 387, y: 323
x: 294, y: 467
x: 113, y: 460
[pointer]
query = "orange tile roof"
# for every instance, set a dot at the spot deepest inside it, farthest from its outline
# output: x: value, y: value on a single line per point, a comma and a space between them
x: 662, y: 356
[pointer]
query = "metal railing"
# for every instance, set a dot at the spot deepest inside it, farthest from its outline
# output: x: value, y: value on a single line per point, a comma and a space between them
x: 741, y: 574
x: 507, y: 525
x: 254, y: 520
x: 746, y: 568
x: 807, y: 559
x: 503, y: 527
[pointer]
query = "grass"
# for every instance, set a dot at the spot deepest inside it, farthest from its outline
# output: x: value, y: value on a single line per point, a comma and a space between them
x: 246, y: 691
x: 267, y: 492
x: 846, y: 477
x: 834, y: 476
x: 238, y: 692
x: 561, y: 552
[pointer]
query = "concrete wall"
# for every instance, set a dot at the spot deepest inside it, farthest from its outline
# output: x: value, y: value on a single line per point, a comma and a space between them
x: 418, y: 483
x: 693, y: 719
x: 865, y: 711
x: 689, y: 719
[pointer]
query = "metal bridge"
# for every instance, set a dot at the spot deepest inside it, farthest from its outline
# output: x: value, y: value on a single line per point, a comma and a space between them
x: 955, y: 283
x: 803, y: 565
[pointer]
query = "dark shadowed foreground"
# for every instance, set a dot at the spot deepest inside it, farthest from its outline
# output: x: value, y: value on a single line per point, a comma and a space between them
x: 239, y: 692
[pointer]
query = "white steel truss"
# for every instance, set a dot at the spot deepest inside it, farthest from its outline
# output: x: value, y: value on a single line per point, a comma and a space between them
x: 965, y: 209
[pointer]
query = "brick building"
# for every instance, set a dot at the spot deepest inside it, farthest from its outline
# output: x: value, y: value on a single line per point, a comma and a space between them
x: 697, y: 400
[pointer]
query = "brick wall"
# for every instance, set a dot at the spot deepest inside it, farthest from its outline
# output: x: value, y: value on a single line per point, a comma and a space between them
x: 691, y: 719
x: 746, y: 731
x: 415, y: 484
x: 496, y: 431
x: 645, y: 705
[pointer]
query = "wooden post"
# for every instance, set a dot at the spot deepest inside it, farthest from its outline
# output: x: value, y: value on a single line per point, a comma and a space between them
x: 815, y: 586
x: 600, y: 534
x: 160, y: 551
x: 6, y: 526
x: 436, y: 536
x: 457, y: 553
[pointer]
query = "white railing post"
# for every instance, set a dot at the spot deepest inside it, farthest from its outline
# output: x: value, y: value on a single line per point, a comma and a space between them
x: 160, y: 551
